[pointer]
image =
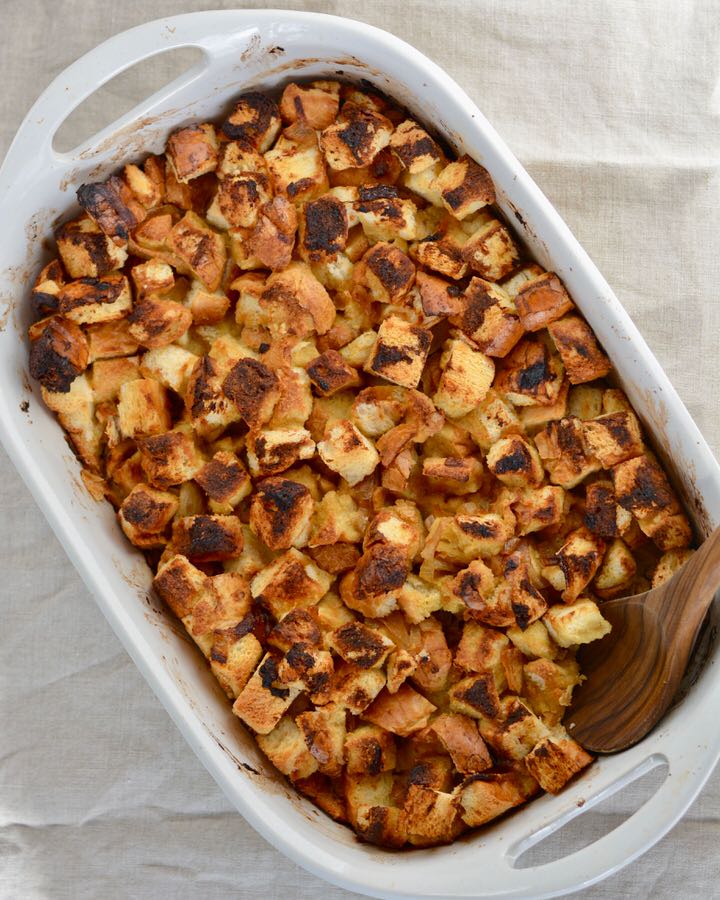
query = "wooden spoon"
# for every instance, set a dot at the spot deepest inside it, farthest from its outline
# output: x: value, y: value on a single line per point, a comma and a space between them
x: 634, y: 672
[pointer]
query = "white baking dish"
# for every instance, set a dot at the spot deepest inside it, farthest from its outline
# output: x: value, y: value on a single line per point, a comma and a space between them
x: 250, y: 48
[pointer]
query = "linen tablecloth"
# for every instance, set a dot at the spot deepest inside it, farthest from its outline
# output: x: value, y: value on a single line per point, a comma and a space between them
x: 614, y: 109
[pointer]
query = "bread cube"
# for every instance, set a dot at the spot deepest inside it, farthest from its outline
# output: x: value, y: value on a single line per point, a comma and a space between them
x: 414, y: 147
x: 642, y: 487
x: 280, y: 513
x: 111, y: 205
x: 400, y: 352
x: 460, y: 737
x: 86, y: 252
x: 543, y: 300
x: 614, y: 437
x: 147, y: 184
x: 585, y: 401
x: 329, y: 373
x: 562, y: 449
x: 402, y: 713
x: 292, y: 580
x: 518, y: 732
x: 400, y: 525
x: 491, y: 419
x: 200, y: 248
x: 145, y: 514
x: 109, y: 374
x: 531, y: 375
x: 548, y: 687
x: 336, y: 558
x: 143, y: 408
x: 577, y: 345
x: 465, y: 380
x: 75, y: 409
x: 296, y: 164
x: 323, y: 229
x: 372, y: 588
x: 239, y: 200
x: 179, y: 584
x: 309, y: 103
x: 668, y: 564
x: 669, y: 531
x: 224, y: 479
x: 337, y: 518
x: 370, y: 750
x: 265, y: 699
x: 400, y: 666
x: 487, y: 316
x: 255, y: 120
x: 376, y: 410
x: 476, y: 696
x: 579, y: 623
x: 389, y: 273
x: 384, y: 214
x: 443, y: 251
x: 480, y: 649
x: 171, y: 366
x: 418, y: 599
x: 324, y: 733
x: 465, y: 187
x: 362, y: 646
x: 92, y: 300
x: 47, y: 286
x: 274, y: 450
x: 453, y: 475
x: 356, y: 138
x: 169, y: 458
x: 515, y: 462
x: 270, y: 243
x: 223, y: 606
x: 539, y: 508
x: 348, y: 452
x: 233, y: 659
x: 603, y: 516
x: 297, y: 303
x: 438, y: 298
x: 287, y: 750
x: 533, y: 641
x: 355, y: 688
x: 554, y: 762
x: 579, y: 559
x: 490, y: 251
x: 156, y: 322
x: 208, y: 538
x: 59, y: 354
x: 424, y: 184
x: 486, y: 796
x: 467, y: 537
x: 154, y: 276
x: 431, y: 817
x: 210, y: 409
x: 192, y: 151
x: 254, y: 389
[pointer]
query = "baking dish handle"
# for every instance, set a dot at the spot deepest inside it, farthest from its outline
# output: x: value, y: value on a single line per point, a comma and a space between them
x: 225, y: 39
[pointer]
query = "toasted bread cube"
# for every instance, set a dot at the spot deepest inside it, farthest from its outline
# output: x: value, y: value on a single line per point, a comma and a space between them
x: 402, y: 713
x: 491, y: 419
x: 465, y: 187
x: 579, y: 623
x: 143, y: 408
x: 193, y: 151
x: 274, y: 450
x: 515, y: 462
x: 642, y: 487
x: 308, y: 103
x: 300, y: 626
x: 59, y: 355
x: 224, y: 479
x: 254, y: 390
x: 603, y: 516
x: 400, y: 666
x: 400, y: 352
x: 585, y: 401
x: 554, y: 762
x: 480, y: 649
x: 329, y: 373
x: 233, y: 661
x: 539, y: 508
x: 486, y: 314
x: 442, y: 251
x: 86, y: 251
x: 179, y: 584
x: 210, y: 410
x: 467, y: 537
x: 270, y: 243
x: 668, y: 564
x: 367, y: 792
x: 280, y: 513
x: 518, y: 732
x: 297, y: 166
x: 616, y: 575
x: 348, y: 452
x: 325, y: 794
x: 454, y: 475
x: 579, y: 559
x: 156, y: 322
x: 255, y: 120
x: 265, y: 699
x: 148, y: 183
x: 356, y: 138
x: 431, y: 817
x: 418, y: 599
x: 531, y: 375
x: 240, y: 158
x: 414, y: 147
x: 400, y: 525
x: 613, y: 438
x: 112, y: 206
x: 208, y: 538
x: 669, y: 531
x: 239, y: 201
x: 489, y: 603
x: 424, y: 184
x: 47, y: 287
x: 543, y: 300
x: 148, y: 239
x: 297, y: 303
x: 534, y: 641
x: 324, y: 733
x: 290, y: 581
x: 389, y: 273
x: 221, y: 611
x: 336, y: 558
x: 362, y: 646
x: 169, y: 458
x: 75, y: 409
x: 110, y: 339
x: 459, y: 735
x: 145, y: 515
x: 287, y: 750
x: 581, y: 355
x: 562, y: 448
x: 490, y: 251
x: 92, y: 300
x: 438, y: 298
x: 109, y: 374
x: 488, y: 795
x: 154, y: 276
x: 381, y: 825
x: 356, y: 688
x: 323, y: 229
x: 337, y: 518
x: 465, y: 380
x: 385, y: 215
x: 549, y: 685
x: 476, y: 696
x: 200, y: 248
x: 372, y: 588
x: 370, y: 750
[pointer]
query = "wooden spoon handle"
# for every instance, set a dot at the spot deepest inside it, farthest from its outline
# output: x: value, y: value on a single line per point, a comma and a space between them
x: 690, y: 591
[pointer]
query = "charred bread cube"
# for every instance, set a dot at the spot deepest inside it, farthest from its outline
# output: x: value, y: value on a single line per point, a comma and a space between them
x: 543, y: 300
x: 370, y: 750
x: 490, y: 251
x: 389, y: 273
x: 193, y: 151
x: 254, y: 390
x: 476, y: 696
x: 562, y: 449
x: 581, y: 355
x: 643, y: 489
x: 452, y: 474
x: 239, y: 200
x: 518, y: 731
x: 224, y: 479
x: 579, y: 559
x: 362, y: 646
x: 464, y: 538
x: 487, y: 316
x: 280, y: 513
x: 400, y: 352
x: 233, y: 660
x: 356, y: 138
x: 309, y: 103
x: 50, y: 279
x: 466, y: 378
x: 414, y: 147
x: 613, y: 438
x: 287, y: 750
x: 514, y: 461
x: 264, y: 699
x: 465, y: 187
x: 297, y: 303
x: 59, y: 354
x: 348, y: 452
x: 486, y: 796
x: 208, y: 538
x: 329, y: 373
x: 323, y: 229
x: 324, y: 733
x: 157, y: 322
x: 112, y: 206
x: 372, y: 587
x: 255, y: 120
x: 431, y: 817
x: 443, y: 251
x: 290, y: 581
x: 145, y: 514
x: 603, y: 515
x: 200, y: 248
x: 355, y: 688
x: 143, y: 408
x: 554, y: 762
x: 531, y: 375
x: 169, y: 458
x: 579, y: 623
x: 539, y: 508
x: 438, y: 298
x: 384, y: 215
x: 179, y: 583
x: 402, y: 713
x: 272, y: 451
x: 86, y: 251
x: 91, y: 300
x: 296, y: 164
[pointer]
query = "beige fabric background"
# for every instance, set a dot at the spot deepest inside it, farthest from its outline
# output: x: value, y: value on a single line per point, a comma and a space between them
x: 614, y: 108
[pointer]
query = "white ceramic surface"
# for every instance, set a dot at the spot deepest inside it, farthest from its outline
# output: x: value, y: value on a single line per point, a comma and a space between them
x: 244, y: 49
